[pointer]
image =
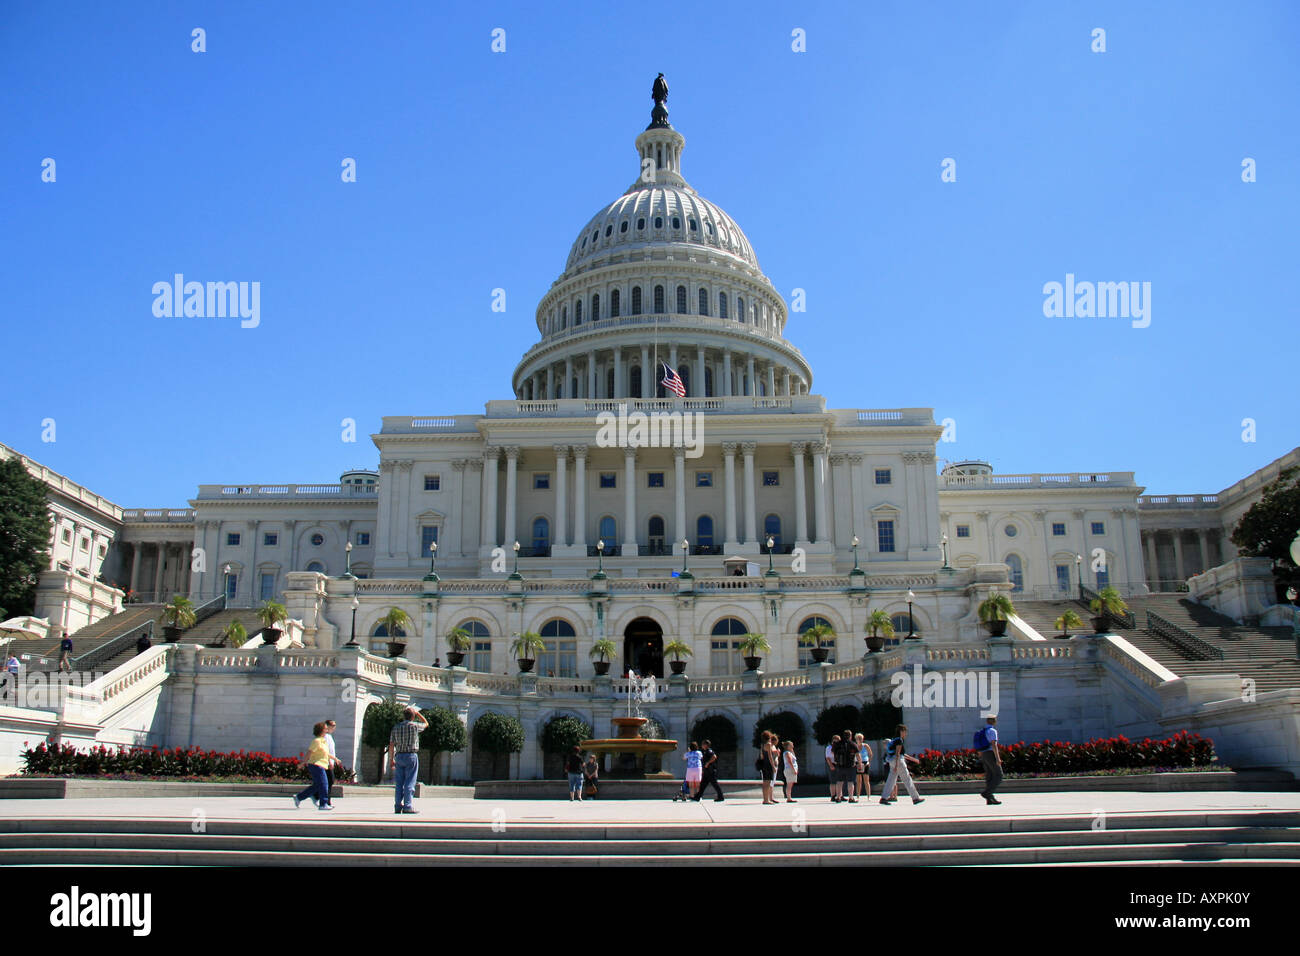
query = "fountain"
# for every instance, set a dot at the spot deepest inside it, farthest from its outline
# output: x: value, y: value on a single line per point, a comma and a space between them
x: 631, y: 747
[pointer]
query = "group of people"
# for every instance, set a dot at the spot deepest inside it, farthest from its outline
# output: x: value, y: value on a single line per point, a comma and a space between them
x: 321, y: 761
x: 583, y: 774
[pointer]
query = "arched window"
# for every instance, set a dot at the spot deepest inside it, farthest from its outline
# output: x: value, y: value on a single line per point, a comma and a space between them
x: 729, y: 627
x: 681, y: 299
x: 541, y: 536
x: 480, y: 649
x: 722, y: 305
x: 740, y: 308
x: 806, y: 644
x: 1103, y: 576
x: 903, y: 625
x: 655, y: 536
x: 577, y: 312
x: 636, y: 300
x: 659, y: 300
x: 609, y: 384
x: 659, y: 222
x: 724, y: 645
x: 772, y: 529
x: 704, y: 301
x: 614, y: 302
x: 564, y: 318
x: 634, y: 377
x: 609, y: 531
x: 595, y: 306
x: 1017, y: 572
x: 314, y: 566
x: 380, y: 638
x: 708, y: 382
x: 704, y: 532
x: 560, y: 659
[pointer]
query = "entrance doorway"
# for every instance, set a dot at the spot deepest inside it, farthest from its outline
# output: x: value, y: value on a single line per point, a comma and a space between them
x: 643, y: 647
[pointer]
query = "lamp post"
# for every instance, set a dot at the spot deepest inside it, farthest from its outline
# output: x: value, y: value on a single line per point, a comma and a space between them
x: 226, y: 586
x: 1291, y: 595
x: 433, y: 561
x: 348, y: 554
x: 854, y: 543
x: 911, y: 628
x: 771, y: 543
x: 943, y: 543
x: 514, y: 575
x: 353, y: 642
x: 686, y: 550
x: 1078, y: 573
x: 600, y: 557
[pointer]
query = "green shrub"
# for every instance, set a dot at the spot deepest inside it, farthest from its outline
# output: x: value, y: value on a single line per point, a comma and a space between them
x: 498, y: 734
x: 786, y: 726
x: 562, y: 734
x: 833, y: 720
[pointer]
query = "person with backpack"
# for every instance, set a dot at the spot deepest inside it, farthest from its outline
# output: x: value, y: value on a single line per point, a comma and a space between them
x: 898, y: 772
x: 863, y: 766
x: 846, y: 758
x: 65, y: 653
x: 986, y: 743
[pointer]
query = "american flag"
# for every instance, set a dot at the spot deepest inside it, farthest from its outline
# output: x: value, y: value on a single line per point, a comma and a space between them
x: 673, y: 382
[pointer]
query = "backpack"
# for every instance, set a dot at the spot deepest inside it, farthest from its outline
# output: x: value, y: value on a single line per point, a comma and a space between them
x: 889, y: 749
x: 981, y: 740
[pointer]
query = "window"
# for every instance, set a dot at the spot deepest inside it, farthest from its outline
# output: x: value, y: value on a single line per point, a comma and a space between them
x: 704, y: 532
x: 740, y: 308
x: 609, y: 479
x: 560, y: 659
x: 722, y: 305
x: 363, y: 539
x: 771, y: 479
x: 232, y: 585
x: 577, y: 312
x: 659, y: 300
x: 541, y: 481
x: 1103, y: 578
x: 636, y: 300
x: 615, y: 300
x: 103, y: 550
x: 232, y: 539
x: 428, y: 535
x: 659, y: 222
x: 622, y: 227
x: 677, y: 222
x: 772, y: 529
x: 1098, y: 527
x: 963, y: 531
x: 1011, y: 531
x: 806, y: 644
x: 655, y: 536
x: 67, y: 536
x: 883, y: 476
x: 270, y: 539
x: 609, y: 230
x: 634, y: 381
x: 1017, y: 572
x: 640, y: 223
x: 885, y: 536
x: 317, y: 539
x: 541, y: 535
x: 316, y: 567
x: 693, y: 224
x: 724, y: 648
x: 1058, y: 529
x: 903, y: 625
x: 609, y: 531
x: 681, y: 299
x: 704, y: 302
x: 432, y: 482
x: 704, y: 479
x: 654, y: 479
x: 85, y: 544
x: 267, y: 590
x: 481, y: 647
x: 1063, y: 578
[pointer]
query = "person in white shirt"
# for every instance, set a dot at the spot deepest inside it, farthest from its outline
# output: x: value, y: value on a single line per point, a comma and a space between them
x: 831, y: 775
x: 791, y: 764
x: 334, y: 760
x: 12, y: 667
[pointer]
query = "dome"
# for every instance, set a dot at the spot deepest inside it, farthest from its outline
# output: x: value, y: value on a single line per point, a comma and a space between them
x: 659, y: 214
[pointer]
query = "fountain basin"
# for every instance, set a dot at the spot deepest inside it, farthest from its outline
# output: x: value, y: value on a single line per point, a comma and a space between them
x: 634, y: 749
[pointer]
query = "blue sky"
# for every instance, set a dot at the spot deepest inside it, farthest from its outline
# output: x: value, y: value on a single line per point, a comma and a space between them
x: 475, y: 170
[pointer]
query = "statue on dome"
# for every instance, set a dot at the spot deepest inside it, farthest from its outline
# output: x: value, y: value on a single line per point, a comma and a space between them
x: 659, y: 93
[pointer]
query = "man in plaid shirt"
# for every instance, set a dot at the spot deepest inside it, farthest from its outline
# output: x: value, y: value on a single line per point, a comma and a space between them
x: 404, y: 756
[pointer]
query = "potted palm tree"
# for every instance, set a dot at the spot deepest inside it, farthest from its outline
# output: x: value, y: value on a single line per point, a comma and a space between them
x: 994, y: 611
x: 273, y: 615
x: 458, y: 642
x: 395, y: 623
x: 176, y: 617
x: 1066, y: 621
x: 233, y: 634
x: 677, y: 648
x: 603, y: 649
x: 526, y: 647
x: 1104, y: 605
x: 878, y: 628
x: 818, y: 633
x: 751, y: 646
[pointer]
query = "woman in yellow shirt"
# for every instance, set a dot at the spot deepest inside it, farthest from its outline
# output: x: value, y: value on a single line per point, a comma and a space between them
x: 318, y: 761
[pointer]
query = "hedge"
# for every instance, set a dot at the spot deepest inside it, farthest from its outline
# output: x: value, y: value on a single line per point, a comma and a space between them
x: 1108, y: 753
x: 66, y: 760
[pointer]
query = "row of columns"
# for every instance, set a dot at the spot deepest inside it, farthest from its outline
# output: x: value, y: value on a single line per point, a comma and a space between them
x: 591, y: 380
x: 176, y: 580
x: 1154, y: 579
x: 560, y: 536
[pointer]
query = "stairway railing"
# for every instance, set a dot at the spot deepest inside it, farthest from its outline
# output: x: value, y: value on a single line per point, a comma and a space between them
x: 209, y: 608
x: 1190, y: 644
x: 110, y: 649
x: 1124, y: 619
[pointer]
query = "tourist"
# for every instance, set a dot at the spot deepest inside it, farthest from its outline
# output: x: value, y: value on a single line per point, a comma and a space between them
x: 831, y: 775
x: 437, y: 662
x: 334, y: 759
x: 898, y: 772
x: 11, y: 668
x: 404, y: 757
x: 590, y: 775
x: 846, y: 758
x: 991, y: 757
x: 709, y: 772
x: 863, y: 765
x: 790, y: 764
x: 766, y: 765
x: 694, y: 769
x: 573, y: 767
x: 318, y: 759
x: 65, y: 650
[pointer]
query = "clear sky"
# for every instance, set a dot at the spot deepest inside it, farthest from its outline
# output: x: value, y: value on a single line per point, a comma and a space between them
x: 476, y: 169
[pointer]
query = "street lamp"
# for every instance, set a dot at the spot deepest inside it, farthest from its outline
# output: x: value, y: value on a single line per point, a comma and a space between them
x: 771, y: 543
x: 911, y: 628
x: 686, y: 550
x: 348, y: 554
x: 226, y: 592
x: 855, y: 544
x: 600, y: 557
x: 1291, y: 595
x: 1078, y: 573
x: 514, y: 575
x: 353, y: 643
x: 943, y: 542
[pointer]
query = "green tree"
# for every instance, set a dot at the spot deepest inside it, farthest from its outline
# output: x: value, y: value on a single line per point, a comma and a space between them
x: 783, y: 723
x: 377, y: 726
x: 1267, y: 529
x: 878, y: 719
x: 833, y: 720
x: 445, y: 733
x: 24, y: 537
x: 500, y: 735
x: 716, y: 728
x: 562, y: 734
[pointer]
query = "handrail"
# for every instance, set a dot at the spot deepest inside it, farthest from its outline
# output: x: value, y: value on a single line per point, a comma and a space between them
x: 110, y: 649
x: 1158, y: 626
x: 209, y: 608
x: 1124, y: 619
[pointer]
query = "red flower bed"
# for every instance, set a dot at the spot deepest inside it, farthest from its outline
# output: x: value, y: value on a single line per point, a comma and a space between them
x: 1110, y: 753
x: 66, y: 760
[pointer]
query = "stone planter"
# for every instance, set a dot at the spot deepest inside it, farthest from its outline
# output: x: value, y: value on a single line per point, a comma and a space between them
x: 396, y: 648
x: 602, y: 667
x: 819, y: 654
x: 1099, y: 624
x: 455, y: 658
x: 996, y: 628
x: 875, y: 644
x: 525, y: 665
x: 751, y: 663
x: 270, y: 636
x: 171, y: 634
x: 678, y: 667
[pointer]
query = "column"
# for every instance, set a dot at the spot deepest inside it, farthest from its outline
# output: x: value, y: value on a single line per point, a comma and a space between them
x: 697, y: 386
x: 580, y: 496
x: 824, y: 535
x: 726, y: 373
x: 1205, y: 549
x: 647, y: 377
x: 749, y: 376
x: 1153, y: 567
x: 679, y: 495
x: 1081, y: 515
x: 512, y: 474
x: 490, y: 459
x: 619, y: 389
x: 629, y: 502
x: 135, y: 565
x: 800, y: 495
x: 550, y: 382
x: 771, y: 379
x: 457, y: 497
x: 591, y: 374
x: 560, y: 536
x: 729, y: 513
x: 157, y: 572
x: 1179, y: 567
x: 672, y: 361
x: 751, y: 534
x: 568, y: 379
x: 785, y: 383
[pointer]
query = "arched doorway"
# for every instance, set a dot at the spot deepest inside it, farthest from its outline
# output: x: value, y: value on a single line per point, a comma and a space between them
x: 643, y: 647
